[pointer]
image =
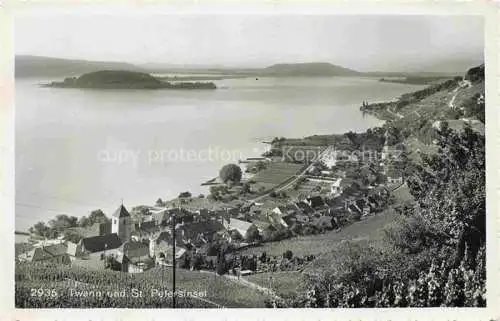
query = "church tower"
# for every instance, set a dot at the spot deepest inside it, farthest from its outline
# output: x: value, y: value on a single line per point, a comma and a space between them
x: 121, y: 223
x: 385, y: 153
x: 385, y: 149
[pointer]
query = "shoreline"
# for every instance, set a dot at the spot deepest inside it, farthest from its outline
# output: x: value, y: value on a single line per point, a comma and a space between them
x: 268, y: 144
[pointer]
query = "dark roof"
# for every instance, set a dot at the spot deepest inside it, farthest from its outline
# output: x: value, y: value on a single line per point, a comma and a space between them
x: 204, y: 212
x: 316, y: 201
x: 167, y: 238
x: 133, y: 249
x: 148, y: 226
x: 208, y: 250
x: 289, y: 219
x: 334, y: 202
x: 354, y: 208
x: 121, y: 212
x: 98, y: 243
x: 192, y: 230
x: 361, y: 203
x: 304, y: 207
x: 373, y: 199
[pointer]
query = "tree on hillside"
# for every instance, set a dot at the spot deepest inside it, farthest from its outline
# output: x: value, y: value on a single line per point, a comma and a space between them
x: 288, y: 254
x: 83, y: 221
x: 159, y: 202
x: 73, y: 236
x: 475, y: 107
x: 97, y: 216
x: 253, y: 234
x: 450, y: 190
x: 246, y: 188
x: 40, y: 229
x: 218, y: 192
x: 260, y: 165
x: 185, y: 194
x: 62, y: 222
x: 230, y: 172
x: 222, y: 265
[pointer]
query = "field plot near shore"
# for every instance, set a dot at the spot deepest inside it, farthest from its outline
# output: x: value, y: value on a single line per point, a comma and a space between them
x: 370, y: 228
x: 308, y: 187
x: 276, y: 173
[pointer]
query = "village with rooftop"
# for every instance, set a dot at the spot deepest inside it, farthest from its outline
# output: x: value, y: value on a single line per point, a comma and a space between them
x: 268, y: 219
x: 274, y: 199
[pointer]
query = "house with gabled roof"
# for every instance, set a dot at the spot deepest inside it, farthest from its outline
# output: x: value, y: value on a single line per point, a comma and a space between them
x: 134, y: 257
x: 316, y: 202
x: 240, y: 227
x: 55, y: 253
x: 207, y: 229
x: 160, y: 216
x: 163, y: 241
x: 162, y: 247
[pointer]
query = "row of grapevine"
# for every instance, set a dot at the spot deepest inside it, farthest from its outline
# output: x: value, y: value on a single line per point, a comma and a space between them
x: 56, y: 286
x: 439, y: 286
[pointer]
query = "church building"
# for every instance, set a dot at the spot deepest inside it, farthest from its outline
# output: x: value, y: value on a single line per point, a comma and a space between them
x: 122, y: 223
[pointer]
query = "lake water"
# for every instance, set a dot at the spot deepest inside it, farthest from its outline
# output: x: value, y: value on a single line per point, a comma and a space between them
x: 79, y: 150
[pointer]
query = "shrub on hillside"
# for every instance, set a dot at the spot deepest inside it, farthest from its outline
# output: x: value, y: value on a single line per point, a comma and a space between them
x: 184, y: 195
x: 410, y: 234
x: 288, y: 254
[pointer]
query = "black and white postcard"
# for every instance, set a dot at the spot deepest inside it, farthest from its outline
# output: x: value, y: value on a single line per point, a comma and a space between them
x: 328, y: 160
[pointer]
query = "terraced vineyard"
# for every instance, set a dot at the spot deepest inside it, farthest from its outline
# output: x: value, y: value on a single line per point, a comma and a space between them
x: 220, y: 291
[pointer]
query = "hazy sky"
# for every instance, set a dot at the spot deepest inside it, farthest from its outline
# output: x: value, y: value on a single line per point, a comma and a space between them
x: 359, y: 42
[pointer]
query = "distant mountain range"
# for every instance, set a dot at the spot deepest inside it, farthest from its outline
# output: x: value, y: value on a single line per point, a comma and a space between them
x: 36, y: 66
x: 309, y: 69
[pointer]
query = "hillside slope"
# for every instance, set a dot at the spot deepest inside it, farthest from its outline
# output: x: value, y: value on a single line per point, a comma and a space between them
x: 308, y: 69
x: 34, y: 66
x: 458, y: 101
